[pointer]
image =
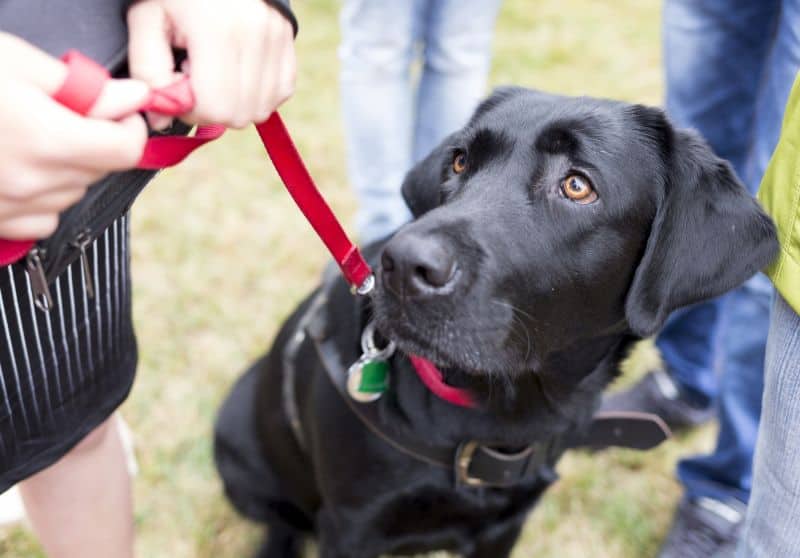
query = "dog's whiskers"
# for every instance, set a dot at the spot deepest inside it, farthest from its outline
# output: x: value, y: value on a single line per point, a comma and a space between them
x: 517, y: 320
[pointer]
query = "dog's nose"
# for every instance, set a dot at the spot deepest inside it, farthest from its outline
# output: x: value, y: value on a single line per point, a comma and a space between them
x: 417, y: 265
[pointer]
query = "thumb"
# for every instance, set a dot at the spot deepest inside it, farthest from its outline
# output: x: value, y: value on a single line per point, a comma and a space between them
x: 149, y: 49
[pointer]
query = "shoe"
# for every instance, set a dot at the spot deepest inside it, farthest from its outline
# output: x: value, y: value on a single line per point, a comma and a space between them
x: 657, y: 393
x: 704, y: 528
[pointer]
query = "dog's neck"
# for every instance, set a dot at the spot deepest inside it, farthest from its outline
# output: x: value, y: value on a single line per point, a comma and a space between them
x: 514, y: 408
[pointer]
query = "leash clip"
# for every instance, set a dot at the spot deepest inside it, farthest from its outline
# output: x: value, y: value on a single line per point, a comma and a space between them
x: 368, y: 377
x: 365, y: 287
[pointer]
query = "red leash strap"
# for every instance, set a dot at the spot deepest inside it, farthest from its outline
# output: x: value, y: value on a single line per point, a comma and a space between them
x: 301, y: 187
x: 166, y: 151
x: 84, y: 83
x: 14, y: 250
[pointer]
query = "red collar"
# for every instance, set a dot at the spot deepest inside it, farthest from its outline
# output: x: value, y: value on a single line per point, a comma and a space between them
x: 433, y: 379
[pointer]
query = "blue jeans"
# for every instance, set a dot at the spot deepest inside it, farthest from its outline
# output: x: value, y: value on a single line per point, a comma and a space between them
x: 771, y: 527
x: 393, y: 118
x: 730, y: 65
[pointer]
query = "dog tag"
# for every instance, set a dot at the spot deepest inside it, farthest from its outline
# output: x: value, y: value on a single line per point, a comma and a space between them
x: 374, y: 377
x: 368, y: 377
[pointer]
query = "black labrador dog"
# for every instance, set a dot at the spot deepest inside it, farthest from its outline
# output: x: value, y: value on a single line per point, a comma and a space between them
x: 550, y: 234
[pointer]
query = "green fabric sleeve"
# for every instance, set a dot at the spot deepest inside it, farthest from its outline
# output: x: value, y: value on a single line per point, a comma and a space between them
x: 780, y: 195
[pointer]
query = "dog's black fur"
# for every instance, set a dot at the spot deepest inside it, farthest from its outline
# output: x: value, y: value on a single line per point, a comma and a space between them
x: 538, y: 300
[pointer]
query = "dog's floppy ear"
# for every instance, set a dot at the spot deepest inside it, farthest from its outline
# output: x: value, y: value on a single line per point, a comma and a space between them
x: 422, y: 187
x: 708, y: 235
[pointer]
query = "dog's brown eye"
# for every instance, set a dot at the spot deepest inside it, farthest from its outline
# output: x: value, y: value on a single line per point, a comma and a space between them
x: 459, y: 162
x: 578, y: 189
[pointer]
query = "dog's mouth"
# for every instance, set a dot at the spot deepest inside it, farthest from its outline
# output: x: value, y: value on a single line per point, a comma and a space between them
x: 471, y: 346
x: 410, y: 342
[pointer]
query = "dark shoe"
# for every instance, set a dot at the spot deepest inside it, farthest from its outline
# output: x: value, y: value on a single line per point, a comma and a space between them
x: 704, y: 528
x: 657, y: 393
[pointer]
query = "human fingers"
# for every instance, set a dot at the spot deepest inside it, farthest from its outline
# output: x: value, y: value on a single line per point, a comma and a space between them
x: 150, y: 49
x: 95, y: 144
x: 29, y: 226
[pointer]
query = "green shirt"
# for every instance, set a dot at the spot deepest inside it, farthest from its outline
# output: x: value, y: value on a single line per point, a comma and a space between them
x: 780, y: 195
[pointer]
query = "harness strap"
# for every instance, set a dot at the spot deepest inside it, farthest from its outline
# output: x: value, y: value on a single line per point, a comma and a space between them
x: 473, y: 463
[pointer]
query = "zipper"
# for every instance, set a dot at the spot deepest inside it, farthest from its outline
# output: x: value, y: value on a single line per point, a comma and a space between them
x: 102, y: 205
x: 35, y: 264
x: 105, y: 201
x: 41, y: 291
x: 83, y: 240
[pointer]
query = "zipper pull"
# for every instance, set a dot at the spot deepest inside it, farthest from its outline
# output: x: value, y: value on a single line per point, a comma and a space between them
x: 41, y: 291
x: 81, y: 242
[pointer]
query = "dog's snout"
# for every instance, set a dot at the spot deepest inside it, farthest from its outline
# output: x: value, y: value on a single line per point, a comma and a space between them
x: 417, y: 265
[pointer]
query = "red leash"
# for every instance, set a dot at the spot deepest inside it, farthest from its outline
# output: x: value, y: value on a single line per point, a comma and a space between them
x: 80, y: 90
x: 82, y: 87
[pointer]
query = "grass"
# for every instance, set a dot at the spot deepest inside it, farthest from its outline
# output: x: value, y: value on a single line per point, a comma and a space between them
x: 221, y: 257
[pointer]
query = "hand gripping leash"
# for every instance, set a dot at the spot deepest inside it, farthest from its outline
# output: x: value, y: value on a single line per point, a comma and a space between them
x: 79, y: 92
x: 82, y: 87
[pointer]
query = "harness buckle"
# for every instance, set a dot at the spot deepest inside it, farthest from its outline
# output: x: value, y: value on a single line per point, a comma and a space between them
x: 464, y: 454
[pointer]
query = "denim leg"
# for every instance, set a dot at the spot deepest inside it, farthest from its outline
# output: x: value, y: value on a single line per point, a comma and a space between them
x: 686, y: 344
x: 714, y: 56
x: 456, y: 60
x: 727, y: 472
x: 376, y: 53
x: 744, y: 318
x: 771, y: 527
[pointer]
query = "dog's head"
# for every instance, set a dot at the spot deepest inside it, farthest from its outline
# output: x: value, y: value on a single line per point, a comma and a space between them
x: 549, y: 221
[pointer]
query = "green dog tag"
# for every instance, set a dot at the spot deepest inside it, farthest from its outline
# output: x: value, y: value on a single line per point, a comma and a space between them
x: 374, y: 376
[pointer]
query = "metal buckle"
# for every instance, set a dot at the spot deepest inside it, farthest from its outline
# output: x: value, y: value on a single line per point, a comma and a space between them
x: 464, y: 455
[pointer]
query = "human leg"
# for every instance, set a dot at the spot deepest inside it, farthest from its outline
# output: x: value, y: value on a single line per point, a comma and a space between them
x: 457, y: 56
x: 82, y: 504
x: 715, y: 54
x: 377, y: 49
x: 62, y: 374
x: 727, y: 472
x: 771, y: 525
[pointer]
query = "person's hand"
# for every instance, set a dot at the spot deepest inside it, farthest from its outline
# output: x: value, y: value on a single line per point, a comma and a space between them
x: 241, y: 58
x: 49, y: 155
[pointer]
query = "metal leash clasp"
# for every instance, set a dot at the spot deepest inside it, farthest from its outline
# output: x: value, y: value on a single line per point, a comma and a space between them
x: 365, y: 287
x: 368, y: 377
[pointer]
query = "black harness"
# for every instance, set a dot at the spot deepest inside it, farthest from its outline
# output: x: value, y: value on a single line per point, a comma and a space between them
x: 473, y: 463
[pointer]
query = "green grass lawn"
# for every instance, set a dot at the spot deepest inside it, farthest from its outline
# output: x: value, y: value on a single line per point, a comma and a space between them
x: 221, y: 256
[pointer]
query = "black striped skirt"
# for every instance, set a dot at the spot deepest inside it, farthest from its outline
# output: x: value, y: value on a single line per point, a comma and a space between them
x: 63, y: 372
